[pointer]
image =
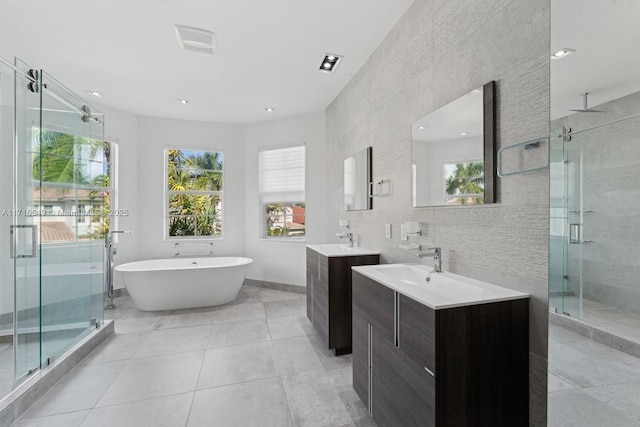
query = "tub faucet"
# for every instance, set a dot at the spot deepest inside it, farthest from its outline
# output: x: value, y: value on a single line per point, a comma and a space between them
x: 111, y: 251
x: 346, y: 236
x: 437, y: 258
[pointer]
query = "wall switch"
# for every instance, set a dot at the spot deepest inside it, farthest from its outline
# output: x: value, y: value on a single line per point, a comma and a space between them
x: 403, y: 233
x: 387, y: 231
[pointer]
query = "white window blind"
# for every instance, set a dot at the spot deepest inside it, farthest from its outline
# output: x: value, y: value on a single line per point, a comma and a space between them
x: 282, y: 175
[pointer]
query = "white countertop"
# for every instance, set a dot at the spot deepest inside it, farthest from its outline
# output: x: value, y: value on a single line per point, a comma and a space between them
x: 335, y: 249
x: 443, y: 290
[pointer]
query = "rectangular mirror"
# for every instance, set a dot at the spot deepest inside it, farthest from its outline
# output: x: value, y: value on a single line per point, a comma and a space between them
x: 357, y: 179
x: 453, y: 152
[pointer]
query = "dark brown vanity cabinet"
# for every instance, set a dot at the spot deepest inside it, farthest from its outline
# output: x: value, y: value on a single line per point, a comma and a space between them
x: 416, y: 366
x: 329, y: 296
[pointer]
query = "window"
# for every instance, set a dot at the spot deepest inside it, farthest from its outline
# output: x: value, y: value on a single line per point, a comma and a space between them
x: 282, y: 192
x: 74, y: 176
x: 464, y: 183
x: 194, y: 193
x: 80, y: 214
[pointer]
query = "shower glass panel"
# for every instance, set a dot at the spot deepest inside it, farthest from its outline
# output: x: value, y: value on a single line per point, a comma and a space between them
x: 25, y: 229
x: 595, y: 223
x: 68, y: 158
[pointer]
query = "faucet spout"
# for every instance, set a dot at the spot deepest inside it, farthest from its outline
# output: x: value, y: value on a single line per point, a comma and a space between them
x: 437, y: 258
x: 346, y: 236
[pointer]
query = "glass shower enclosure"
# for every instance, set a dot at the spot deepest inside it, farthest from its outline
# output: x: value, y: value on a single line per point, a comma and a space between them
x: 52, y: 221
x: 594, y: 262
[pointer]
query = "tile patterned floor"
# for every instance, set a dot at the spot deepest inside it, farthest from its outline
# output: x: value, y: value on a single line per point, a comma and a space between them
x: 255, y: 362
x: 591, y: 385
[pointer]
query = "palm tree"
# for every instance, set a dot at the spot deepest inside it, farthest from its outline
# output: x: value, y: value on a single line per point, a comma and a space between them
x: 467, y: 180
x: 194, y: 214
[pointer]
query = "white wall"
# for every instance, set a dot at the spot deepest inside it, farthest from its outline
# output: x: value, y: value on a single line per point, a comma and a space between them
x: 154, y: 135
x: 284, y: 261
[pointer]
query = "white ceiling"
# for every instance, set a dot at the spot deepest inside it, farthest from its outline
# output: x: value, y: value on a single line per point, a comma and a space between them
x: 606, y: 64
x: 268, y: 51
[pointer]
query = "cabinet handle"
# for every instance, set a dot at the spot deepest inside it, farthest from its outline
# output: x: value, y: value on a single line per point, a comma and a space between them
x: 395, y: 318
x: 369, y: 360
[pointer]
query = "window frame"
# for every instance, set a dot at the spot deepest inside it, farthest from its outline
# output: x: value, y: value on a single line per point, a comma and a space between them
x: 262, y: 206
x: 167, y: 193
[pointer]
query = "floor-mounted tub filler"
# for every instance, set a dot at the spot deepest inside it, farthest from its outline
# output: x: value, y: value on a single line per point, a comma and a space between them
x: 169, y: 284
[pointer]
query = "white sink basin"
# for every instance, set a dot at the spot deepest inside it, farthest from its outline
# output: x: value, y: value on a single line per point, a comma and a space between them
x: 441, y: 290
x: 335, y: 249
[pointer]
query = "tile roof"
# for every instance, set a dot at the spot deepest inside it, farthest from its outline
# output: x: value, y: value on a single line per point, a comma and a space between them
x: 56, y: 231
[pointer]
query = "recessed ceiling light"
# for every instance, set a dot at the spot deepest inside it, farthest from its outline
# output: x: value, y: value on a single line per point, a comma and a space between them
x: 269, y: 109
x: 330, y: 62
x: 475, y: 91
x: 196, y: 40
x: 182, y: 101
x: 465, y: 134
x: 94, y: 93
x: 562, y: 53
x: 423, y: 127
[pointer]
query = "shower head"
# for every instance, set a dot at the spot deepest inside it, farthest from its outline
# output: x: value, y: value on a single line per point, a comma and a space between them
x: 585, y: 108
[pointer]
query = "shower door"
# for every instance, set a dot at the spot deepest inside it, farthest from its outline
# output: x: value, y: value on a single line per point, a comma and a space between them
x: 69, y: 160
x: 25, y: 227
x: 566, y: 224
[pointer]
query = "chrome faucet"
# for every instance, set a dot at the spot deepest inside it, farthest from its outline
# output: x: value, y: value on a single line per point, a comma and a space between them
x: 437, y: 258
x: 346, y: 236
x: 111, y: 251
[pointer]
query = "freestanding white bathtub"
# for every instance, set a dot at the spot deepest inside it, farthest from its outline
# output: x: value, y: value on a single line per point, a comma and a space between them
x: 169, y: 284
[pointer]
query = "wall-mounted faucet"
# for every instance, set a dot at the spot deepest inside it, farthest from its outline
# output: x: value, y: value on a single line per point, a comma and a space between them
x: 111, y: 251
x: 437, y: 258
x: 346, y: 236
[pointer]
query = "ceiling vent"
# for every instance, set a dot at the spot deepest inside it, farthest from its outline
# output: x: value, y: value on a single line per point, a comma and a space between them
x: 196, y: 40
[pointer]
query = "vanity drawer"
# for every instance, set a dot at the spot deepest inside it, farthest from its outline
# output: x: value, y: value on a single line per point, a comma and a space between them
x: 374, y: 302
x: 409, y: 385
x: 417, y: 332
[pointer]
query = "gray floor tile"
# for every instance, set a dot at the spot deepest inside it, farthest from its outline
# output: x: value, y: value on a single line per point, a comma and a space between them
x: 323, y: 388
x: 234, y: 364
x: 575, y: 408
x: 624, y: 398
x: 294, y: 307
x: 167, y: 411
x: 589, y: 364
x: 234, y: 333
x: 268, y: 295
x: 157, y: 376
x: 290, y: 326
x: 136, y: 324
x: 239, y: 312
x: 327, y: 356
x: 555, y: 383
x: 175, y: 340
x: 296, y: 355
x: 117, y: 347
x: 69, y: 419
x: 80, y: 389
x: 188, y: 319
x: 260, y: 403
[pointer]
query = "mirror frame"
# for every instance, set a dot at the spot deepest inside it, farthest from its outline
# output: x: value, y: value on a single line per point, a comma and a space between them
x: 490, y: 152
x: 368, y: 151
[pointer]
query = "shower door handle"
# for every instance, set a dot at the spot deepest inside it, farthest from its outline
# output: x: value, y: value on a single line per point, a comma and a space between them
x: 574, y: 234
x: 21, y: 244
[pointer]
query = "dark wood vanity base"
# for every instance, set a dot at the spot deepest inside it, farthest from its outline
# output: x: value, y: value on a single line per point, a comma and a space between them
x: 329, y: 296
x: 460, y: 366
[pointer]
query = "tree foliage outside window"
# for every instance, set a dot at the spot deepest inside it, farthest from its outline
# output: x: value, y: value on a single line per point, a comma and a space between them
x: 464, y: 183
x: 194, y: 193
x: 285, y: 219
x: 80, y: 170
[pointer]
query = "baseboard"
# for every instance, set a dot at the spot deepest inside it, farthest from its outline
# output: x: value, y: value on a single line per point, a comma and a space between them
x: 275, y: 285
